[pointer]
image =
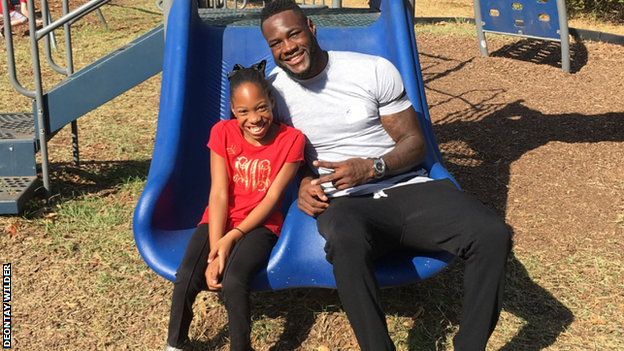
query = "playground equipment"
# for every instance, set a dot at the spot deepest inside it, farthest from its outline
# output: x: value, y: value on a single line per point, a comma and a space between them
x: 22, y: 135
x: 538, y: 19
x: 202, y: 45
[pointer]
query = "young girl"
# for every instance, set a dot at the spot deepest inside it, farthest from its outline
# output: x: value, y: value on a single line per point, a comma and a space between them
x: 252, y: 161
x: 16, y: 17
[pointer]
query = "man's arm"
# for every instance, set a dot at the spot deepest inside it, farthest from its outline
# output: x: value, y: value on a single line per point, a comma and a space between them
x: 409, y: 151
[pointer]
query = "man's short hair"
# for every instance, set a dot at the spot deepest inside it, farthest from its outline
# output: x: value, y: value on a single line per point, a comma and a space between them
x: 278, y: 6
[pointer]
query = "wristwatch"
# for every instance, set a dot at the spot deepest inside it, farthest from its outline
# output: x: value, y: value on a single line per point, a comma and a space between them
x: 379, y: 166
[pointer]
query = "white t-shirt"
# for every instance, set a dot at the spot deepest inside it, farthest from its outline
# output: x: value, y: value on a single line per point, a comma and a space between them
x: 338, y: 110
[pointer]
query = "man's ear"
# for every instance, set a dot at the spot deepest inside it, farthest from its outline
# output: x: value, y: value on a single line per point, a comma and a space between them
x: 312, y: 27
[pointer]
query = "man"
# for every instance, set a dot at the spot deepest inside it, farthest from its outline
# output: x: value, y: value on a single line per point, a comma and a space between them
x: 363, y: 140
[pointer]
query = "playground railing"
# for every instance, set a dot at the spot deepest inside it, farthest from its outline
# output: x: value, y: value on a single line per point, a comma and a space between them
x: 46, y: 32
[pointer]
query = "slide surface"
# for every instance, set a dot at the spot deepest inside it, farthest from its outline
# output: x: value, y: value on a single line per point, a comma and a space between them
x: 201, y: 47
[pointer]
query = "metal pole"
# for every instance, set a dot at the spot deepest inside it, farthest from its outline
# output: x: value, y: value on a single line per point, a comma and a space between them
x: 479, y: 25
x: 70, y: 70
x: 40, y: 108
x: 564, y: 34
x: 45, y: 11
x: 101, y: 16
x: 166, y: 8
x: 52, y: 37
x: 74, y: 137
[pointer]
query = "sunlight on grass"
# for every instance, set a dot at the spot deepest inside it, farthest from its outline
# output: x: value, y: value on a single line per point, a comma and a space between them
x: 455, y: 29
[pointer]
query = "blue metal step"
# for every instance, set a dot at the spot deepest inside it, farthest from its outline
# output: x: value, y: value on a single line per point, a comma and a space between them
x: 15, y: 192
x: 18, y: 167
x: 18, y: 145
x: 17, y: 125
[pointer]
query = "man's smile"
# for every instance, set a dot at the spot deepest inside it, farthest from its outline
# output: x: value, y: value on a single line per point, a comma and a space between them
x: 296, y: 59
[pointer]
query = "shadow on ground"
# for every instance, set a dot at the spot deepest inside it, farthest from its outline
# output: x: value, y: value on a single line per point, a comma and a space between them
x: 544, y: 52
x: 498, y: 134
x: 433, y: 310
x: 68, y: 180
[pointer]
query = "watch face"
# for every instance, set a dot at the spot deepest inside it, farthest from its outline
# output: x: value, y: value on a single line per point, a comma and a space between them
x: 379, y: 167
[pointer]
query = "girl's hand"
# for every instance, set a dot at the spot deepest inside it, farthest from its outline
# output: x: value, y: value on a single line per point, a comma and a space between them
x: 221, y: 252
x: 216, y: 264
x: 217, y: 258
x: 213, y: 278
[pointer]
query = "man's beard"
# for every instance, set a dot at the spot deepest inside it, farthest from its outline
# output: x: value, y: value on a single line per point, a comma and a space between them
x: 305, y: 74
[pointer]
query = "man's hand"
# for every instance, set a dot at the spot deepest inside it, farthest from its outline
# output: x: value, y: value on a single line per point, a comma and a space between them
x: 312, y: 199
x: 347, y: 174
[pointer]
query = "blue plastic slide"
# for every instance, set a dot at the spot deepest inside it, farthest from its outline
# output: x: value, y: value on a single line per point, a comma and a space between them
x: 201, y: 47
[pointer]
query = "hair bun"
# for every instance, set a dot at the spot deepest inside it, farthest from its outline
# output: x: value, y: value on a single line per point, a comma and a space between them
x: 260, y: 66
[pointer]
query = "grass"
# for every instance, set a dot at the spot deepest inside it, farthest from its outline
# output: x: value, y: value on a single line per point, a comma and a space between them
x: 80, y: 284
x: 448, y: 28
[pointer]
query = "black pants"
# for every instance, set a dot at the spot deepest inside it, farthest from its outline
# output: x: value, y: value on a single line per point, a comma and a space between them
x: 246, y: 259
x: 430, y: 216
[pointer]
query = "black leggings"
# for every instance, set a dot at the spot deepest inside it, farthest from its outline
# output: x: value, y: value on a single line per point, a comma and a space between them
x: 247, y: 258
x: 432, y: 216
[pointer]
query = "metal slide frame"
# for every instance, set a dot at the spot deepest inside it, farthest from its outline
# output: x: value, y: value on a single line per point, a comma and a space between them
x: 522, y: 18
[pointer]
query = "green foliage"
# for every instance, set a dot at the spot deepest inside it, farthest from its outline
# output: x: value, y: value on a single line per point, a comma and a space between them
x: 609, y: 10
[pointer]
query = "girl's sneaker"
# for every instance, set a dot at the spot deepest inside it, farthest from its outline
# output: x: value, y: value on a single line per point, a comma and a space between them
x: 2, y: 32
x: 171, y: 348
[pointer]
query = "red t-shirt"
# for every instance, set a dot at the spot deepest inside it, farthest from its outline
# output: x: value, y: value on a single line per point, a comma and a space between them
x: 252, y: 169
x: 11, y: 8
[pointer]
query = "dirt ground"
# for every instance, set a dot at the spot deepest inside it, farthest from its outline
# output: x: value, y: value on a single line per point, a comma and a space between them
x: 544, y: 149
x: 526, y: 137
x: 541, y: 147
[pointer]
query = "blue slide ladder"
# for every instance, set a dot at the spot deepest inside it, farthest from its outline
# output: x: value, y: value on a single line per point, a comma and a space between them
x: 537, y: 19
x: 200, y: 48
